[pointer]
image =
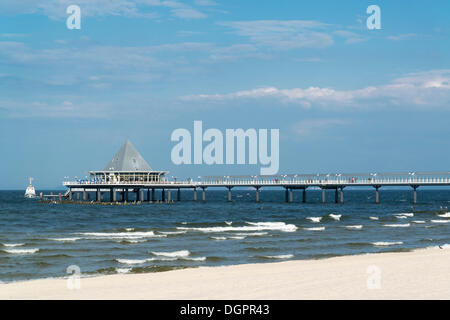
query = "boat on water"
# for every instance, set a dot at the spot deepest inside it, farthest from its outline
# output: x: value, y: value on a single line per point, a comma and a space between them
x: 30, y: 192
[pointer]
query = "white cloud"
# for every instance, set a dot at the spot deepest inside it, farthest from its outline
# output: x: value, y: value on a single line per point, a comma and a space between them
x: 402, y: 36
x: 349, y: 36
x: 177, y: 8
x: 422, y: 89
x: 55, y: 109
x: 283, y: 34
x: 56, y: 9
x: 308, y: 127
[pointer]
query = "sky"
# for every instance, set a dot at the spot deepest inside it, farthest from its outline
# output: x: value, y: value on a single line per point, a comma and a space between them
x: 344, y: 98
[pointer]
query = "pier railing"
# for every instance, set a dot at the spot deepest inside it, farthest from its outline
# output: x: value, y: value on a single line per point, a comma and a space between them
x: 289, y: 182
x: 359, y: 179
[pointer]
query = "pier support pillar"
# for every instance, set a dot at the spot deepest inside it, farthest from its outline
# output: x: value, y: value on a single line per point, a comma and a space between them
x: 286, y: 195
x: 138, y: 198
x: 84, y: 195
x: 149, y: 197
x: 179, y: 195
x: 153, y: 195
x: 203, y: 194
x: 163, y: 195
x: 415, y: 194
x: 323, y: 195
x: 141, y: 195
x: 126, y: 194
x: 377, y: 195
x: 195, y: 194
x: 122, y: 195
x: 229, y: 194
x: 169, y: 196
x: 336, y: 195
x: 342, y: 195
x: 257, y: 194
x: 113, y: 195
x: 70, y: 194
x: 304, y: 195
x: 98, y: 197
x: 291, y: 195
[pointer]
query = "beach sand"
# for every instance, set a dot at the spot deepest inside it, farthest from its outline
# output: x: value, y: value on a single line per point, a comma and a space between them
x: 420, y: 274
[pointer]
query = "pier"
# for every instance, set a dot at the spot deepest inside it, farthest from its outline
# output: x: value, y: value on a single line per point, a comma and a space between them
x: 129, y: 174
x: 171, y: 190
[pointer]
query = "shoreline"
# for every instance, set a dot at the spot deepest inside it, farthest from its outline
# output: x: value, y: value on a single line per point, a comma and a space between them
x: 418, y: 274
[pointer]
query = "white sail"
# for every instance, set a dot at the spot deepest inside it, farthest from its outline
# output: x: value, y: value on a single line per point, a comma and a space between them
x: 30, y: 192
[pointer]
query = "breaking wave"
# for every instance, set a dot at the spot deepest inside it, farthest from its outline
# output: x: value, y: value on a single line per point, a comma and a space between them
x: 21, y: 251
x: 13, y: 244
x: 386, y: 243
x: 253, y: 226
x: 399, y: 225
x: 122, y: 235
x: 281, y: 256
x: 175, y: 254
x: 315, y: 229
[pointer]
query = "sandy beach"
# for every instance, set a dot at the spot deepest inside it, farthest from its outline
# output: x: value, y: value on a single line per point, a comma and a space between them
x: 420, y: 274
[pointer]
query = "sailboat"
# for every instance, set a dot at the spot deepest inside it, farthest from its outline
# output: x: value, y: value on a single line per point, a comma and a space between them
x: 30, y: 192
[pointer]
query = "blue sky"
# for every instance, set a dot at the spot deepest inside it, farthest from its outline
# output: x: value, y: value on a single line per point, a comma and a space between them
x: 345, y: 98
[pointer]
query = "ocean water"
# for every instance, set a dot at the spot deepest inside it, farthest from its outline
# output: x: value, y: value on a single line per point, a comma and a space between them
x: 40, y: 240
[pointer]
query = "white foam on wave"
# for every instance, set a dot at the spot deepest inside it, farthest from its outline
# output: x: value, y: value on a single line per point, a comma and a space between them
x: 237, y: 237
x: 281, y: 256
x: 172, y: 232
x: 386, y: 243
x: 219, y: 238
x: 13, y: 244
x: 21, y: 251
x: 158, y: 258
x: 418, y: 221
x: 195, y: 259
x: 133, y: 240
x: 129, y: 229
x: 336, y: 217
x: 401, y: 217
x: 251, y: 234
x: 253, y: 226
x: 314, y: 219
x: 408, y: 214
x: 444, y: 215
x: 315, y: 229
x: 131, y: 261
x: 229, y: 222
x: 161, y: 258
x: 123, y: 270
x: 65, y: 239
x: 181, y: 253
x: 122, y: 235
x: 440, y: 221
x: 374, y: 218
x: 355, y: 227
x: 399, y: 225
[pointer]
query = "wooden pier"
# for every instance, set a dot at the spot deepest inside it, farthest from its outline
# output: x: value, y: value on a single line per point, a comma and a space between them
x: 128, y: 173
x: 170, y: 191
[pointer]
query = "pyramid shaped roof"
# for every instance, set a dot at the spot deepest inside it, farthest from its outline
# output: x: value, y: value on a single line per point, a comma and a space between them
x: 127, y: 159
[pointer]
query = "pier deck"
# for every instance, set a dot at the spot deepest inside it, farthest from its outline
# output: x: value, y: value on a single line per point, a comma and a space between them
x: 145, y: 191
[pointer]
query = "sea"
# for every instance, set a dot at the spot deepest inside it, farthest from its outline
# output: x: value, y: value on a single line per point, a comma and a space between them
x: 50, y: 240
